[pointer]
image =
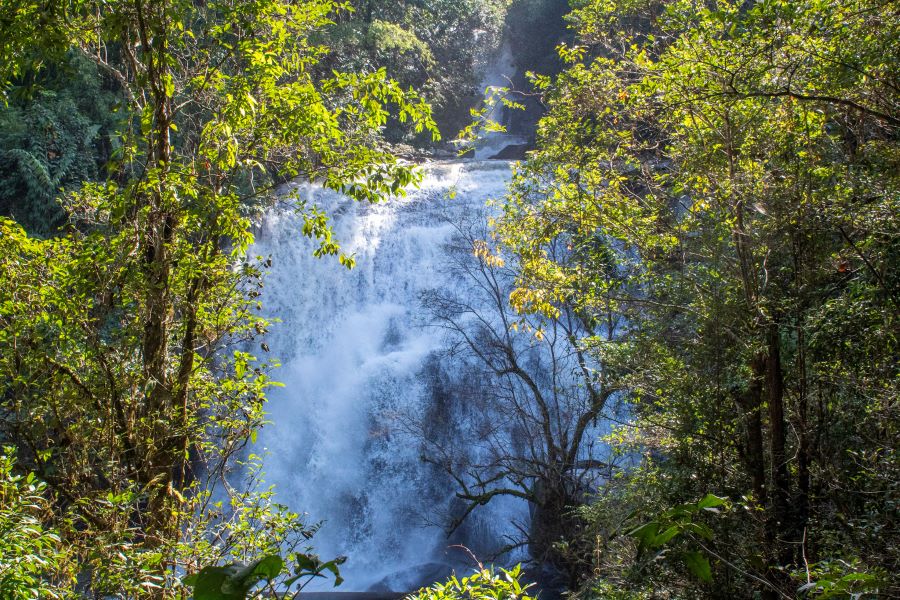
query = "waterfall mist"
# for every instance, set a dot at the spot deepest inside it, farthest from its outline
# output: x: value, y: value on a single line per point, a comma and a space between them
x: 362, y: 366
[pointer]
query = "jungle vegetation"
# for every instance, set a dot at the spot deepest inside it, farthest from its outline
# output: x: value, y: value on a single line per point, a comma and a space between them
x: 723, y: 178
x: 128, y: 391
x: 707, y: 224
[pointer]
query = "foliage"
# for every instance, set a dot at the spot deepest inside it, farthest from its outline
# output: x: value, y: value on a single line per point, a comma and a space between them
x: 34, y: 562
x: 840, y: 579
x: 390, y: 39
x: 24, y: 24
x: 723, y: 177
x: 439, y: 47
x: 680, y: 522
x: 484, y: 118
x: 485, y: 582
x: 236, y: 581
x: 56, y: 131
x: 604, y: 590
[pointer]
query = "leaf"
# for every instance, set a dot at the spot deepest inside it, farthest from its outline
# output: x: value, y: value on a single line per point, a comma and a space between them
x: 711, y: 501
x: 698, y: 565
x: 681, y: 510
x: 308, y: 562
x: 646, y: 534
x: 699, y: 529
x: 666, y: 535
x: 333, y: 567
x: 208, y: 584
x: 806, y: 587
x: 233, y: 581
x: 857, y: 577
x: 269, y: 567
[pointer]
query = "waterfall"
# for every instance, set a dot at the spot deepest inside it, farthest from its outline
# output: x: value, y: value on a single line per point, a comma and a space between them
x: 359, y: 366
x: 498, y: 76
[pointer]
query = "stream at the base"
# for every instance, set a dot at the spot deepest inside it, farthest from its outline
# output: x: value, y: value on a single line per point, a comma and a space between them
x: 362, y: 366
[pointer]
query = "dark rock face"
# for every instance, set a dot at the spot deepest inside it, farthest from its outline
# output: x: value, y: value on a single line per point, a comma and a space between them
x: 513, y: 152
x: 535, y: 29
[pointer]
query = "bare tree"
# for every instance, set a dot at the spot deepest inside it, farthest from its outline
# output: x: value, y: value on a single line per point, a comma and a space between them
x: 534, y: 400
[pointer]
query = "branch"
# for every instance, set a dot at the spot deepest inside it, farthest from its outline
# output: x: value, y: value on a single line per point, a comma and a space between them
x: 818, y: 98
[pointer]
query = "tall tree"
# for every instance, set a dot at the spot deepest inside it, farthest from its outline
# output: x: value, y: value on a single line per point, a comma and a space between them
x: 738, y: 161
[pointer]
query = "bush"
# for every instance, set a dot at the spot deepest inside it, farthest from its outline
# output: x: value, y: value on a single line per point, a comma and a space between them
x: 33, y: 562
x: 485, y: 583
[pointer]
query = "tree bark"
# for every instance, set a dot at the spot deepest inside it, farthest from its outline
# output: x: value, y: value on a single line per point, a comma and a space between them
x: 779, y: 521
x: 751, y: 404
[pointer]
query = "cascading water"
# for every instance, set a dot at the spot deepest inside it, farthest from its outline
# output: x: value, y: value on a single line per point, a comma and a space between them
x: 496, y: 78
x: 359, y: 363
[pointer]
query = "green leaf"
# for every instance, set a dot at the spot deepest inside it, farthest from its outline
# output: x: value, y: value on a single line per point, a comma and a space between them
x: 208, y: 584
x: 233, y: 581
x: 666, y: 535
x: 699, y: 565
x: 269, y: 567
x: 308, y: 562
x: 646, y: 534
x: 711, y: 501
x: 699, y: 529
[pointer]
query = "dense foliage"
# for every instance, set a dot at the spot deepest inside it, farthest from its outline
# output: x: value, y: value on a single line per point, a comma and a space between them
x: 64, y: 111
x: 57, y: 131
x: 484, y: 582
x: 440, y: 47
x: 724, y: 177
x: 33, y: 562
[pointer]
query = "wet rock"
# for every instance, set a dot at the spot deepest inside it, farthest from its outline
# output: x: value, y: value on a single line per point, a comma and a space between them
x: 512, y: 152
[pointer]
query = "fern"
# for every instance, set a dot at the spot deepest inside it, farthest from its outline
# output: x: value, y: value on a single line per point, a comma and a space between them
x: 35, y: 173
x: 54, y: 139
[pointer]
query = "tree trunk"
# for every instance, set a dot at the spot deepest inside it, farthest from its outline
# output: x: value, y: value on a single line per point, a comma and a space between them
x: 779, y: 523
x: 751, y: 403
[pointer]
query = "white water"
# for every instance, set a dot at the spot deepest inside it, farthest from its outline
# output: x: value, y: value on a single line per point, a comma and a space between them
x: 498, y: 77
x: 358, y: 363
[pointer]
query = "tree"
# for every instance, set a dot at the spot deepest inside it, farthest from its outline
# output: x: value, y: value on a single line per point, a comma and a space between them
x: 529, y: 428
x: 738, y: 163
x: 127, y: 382
x: 56, y: 132
x: 33, y: 561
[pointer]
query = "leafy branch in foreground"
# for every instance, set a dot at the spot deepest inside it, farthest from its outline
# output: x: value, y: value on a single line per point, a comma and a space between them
x: 34, y: 563
x: 484, y: 583
x: 680, y: 522
x: 238, y: 581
